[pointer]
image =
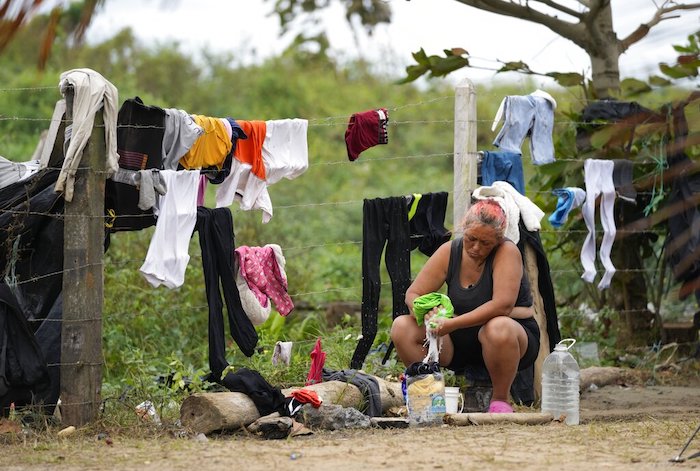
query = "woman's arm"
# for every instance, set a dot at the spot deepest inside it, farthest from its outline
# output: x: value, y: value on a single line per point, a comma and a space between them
x: 507, y: 274
x: 431, y: 277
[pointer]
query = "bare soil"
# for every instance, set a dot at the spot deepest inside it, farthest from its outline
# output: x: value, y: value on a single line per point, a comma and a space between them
x: 623, y: 426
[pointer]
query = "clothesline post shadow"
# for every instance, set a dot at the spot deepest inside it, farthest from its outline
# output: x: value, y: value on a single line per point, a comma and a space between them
x: 83, y: 280
x: 465, y: 155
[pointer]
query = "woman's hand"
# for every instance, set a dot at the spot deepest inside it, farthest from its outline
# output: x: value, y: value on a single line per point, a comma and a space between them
x: 437, y: 325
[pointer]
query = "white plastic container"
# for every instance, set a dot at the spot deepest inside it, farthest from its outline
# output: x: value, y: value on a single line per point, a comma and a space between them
x: 560, y: 384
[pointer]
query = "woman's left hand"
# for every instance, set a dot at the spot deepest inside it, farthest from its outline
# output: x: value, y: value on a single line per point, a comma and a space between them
x: 438, y: 325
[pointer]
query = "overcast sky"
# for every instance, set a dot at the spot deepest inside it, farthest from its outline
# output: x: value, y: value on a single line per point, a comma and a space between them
x: 247, y: 29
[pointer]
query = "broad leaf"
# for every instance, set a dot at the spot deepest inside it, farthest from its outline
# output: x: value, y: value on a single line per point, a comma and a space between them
x: 634, y: 87
x: 568, y: 79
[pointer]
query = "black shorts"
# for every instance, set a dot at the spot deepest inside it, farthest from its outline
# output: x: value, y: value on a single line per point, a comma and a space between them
x: 467, y: 348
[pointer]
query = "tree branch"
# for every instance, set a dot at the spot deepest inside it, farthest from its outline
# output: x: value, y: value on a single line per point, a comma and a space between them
x: 660, y: 15
x: 575, y: 32
x: 562, y: 8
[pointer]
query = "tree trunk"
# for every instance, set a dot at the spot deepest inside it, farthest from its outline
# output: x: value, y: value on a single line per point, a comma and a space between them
x: 604, y: 51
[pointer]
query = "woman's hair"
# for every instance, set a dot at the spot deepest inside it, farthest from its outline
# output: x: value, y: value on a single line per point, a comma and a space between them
x: 488, y: 213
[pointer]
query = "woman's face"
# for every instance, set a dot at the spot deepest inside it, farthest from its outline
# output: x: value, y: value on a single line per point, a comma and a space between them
x: 479, y: 240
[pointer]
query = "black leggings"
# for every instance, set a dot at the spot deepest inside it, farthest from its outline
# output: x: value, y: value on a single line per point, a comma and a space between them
x: 467, y: 348
x: 385, y: 220
x: 216, y: 239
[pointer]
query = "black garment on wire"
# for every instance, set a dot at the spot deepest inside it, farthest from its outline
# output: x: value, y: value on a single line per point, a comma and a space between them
x: 385, y: 221
x: 427, y: 226
x: 140, y: 130
x: 216, y: 239
x: 683, y: 203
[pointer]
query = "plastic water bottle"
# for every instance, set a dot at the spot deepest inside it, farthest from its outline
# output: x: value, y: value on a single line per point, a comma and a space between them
x: 560, y: 383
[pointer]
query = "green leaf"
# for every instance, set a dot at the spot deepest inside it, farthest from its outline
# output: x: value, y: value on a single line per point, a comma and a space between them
x: 676, y: 72
x: 659, y: 81
x: 435, y: 65
x: 441, y: 66
x: 634, y: 87
x: 568, y: 79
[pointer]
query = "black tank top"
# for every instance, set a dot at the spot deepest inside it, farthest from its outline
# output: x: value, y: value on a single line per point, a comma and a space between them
x: 467, y: 299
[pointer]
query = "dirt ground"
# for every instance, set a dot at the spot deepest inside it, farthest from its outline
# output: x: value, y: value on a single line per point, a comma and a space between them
x: 628, y: 426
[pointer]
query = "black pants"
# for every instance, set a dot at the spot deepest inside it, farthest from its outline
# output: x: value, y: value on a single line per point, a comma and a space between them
x: 216, y: 239
x: 427, y: 226
x: 385, y: 221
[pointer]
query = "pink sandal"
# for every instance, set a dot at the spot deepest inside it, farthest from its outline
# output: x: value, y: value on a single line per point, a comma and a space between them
x: 500, y: 407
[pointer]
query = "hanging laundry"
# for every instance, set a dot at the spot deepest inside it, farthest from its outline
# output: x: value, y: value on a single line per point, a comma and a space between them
x: 515, y: 206
x: 503, y: 166
x: 530, y: 115
x: 426, y: 221
x: 569, y: 198
x: 48, y: 144
x: 201, y: 190
x: 92, y: 92
x: 254, y: 309
x: 235, y: 132
x: 683, y: 241
x: 544, y: 285
x: 384, y: 222
x: 167, y: 256
x: 139, y: 143
x: 23, y: 370
x: 598, y: 114
x: 318, y: 359
x: 217, y: 241
x: 263, y: 270
x: 13, y: 172
x: 282, y: 353
x: 366, y: 129
x: 274, y: 150
x: 598, y: 178
x: 622, y: 180
x: 180, y: 133
x: 211, y: 148
x: 149, y: 182
x: 250, y: 151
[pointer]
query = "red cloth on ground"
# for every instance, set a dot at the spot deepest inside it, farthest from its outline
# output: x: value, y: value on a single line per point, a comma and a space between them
x: 318, y: 359
x: 307, y: 396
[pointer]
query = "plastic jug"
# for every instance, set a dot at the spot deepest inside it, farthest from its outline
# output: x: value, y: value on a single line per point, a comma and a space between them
x: 560, y: 383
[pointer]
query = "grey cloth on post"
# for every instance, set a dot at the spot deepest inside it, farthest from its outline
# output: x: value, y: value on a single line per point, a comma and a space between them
x: 366, y: 383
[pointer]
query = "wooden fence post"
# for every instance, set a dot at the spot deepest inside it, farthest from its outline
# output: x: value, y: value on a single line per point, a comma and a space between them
x: 464, y: 162
x: 83, y: 283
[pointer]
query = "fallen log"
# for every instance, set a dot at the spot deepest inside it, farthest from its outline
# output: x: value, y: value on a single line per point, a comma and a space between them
x: 209, y: 412
x: 602, y: 376
x: 484, y: 418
